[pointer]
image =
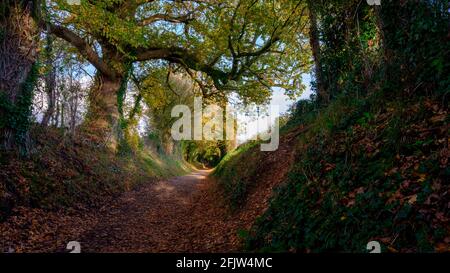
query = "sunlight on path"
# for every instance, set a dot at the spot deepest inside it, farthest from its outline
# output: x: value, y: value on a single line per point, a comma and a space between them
x: 154, y: 218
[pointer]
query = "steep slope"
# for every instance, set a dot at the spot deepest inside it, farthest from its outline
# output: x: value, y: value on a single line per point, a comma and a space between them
x: 365, y: 170
x: 374, y: 163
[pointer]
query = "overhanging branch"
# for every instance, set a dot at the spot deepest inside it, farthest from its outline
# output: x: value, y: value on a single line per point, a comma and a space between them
x: 83, y: 47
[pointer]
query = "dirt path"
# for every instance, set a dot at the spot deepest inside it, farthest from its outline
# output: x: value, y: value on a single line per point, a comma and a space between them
x: 186, y: 214
x: 182, y: 214
x: 167, y: 216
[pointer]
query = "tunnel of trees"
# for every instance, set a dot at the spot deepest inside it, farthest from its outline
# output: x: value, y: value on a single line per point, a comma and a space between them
x: 87, y: 89
x: 121, y: 41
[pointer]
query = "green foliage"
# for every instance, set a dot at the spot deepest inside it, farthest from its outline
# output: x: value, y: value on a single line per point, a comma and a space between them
x: 417, y: 58
x: 128, y: 141
x: 228, y: 42
x: 205, y: 153
x: 351, y: 46
x: 161, y: 92
x: 165, y: 166
x: 302, y: 112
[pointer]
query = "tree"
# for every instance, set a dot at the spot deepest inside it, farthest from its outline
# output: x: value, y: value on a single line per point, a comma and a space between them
x: 50, y: 80
x: 161, y: 90
x: 242, y: 42
x: 314, y: 41
x: 18, y: 69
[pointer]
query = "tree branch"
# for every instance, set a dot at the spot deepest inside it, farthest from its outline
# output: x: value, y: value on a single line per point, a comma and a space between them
x: 84, y: 48
x: 183, y: 57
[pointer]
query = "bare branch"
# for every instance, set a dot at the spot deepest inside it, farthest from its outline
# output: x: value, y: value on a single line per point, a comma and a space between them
x: 85, y: 49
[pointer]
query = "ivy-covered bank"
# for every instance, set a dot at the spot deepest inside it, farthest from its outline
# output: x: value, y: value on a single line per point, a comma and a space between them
x: 374, y: 163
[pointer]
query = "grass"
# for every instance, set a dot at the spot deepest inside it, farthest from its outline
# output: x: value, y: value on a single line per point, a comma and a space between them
x: 233, y: 173
x: 63, y: 173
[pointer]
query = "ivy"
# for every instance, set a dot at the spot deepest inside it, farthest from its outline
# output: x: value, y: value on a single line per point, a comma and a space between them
x: 124, y: 146
x: 16, y: 117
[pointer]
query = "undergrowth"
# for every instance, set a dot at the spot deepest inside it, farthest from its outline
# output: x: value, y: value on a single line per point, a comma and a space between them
x: 377, y: 173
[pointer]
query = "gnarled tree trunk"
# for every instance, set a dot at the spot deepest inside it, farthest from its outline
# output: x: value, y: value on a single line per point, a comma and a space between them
x: 18, y: 53
x: 102, y: 120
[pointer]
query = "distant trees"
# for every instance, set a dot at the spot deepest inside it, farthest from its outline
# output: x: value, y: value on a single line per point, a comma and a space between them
x: 62, y: 88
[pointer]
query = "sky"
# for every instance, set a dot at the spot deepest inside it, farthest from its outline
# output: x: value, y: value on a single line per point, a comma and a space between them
x: 280, y: 100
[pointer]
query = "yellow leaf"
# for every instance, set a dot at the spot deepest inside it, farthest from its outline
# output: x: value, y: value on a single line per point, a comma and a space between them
x: 423, y: 177
x: 412, y: 199
x: 391, y: 249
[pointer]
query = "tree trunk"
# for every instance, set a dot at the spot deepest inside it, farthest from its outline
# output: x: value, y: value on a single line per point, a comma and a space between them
x: 63, y: 105
x: 74, y: 108
x: 102, y: 120
x: 315, y: 48
x: 55, y: 117
x: 18, y: 54
x: 50, y: 81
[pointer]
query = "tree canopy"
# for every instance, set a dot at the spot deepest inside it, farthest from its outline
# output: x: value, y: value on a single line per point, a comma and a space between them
x: 244, y: 46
